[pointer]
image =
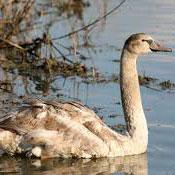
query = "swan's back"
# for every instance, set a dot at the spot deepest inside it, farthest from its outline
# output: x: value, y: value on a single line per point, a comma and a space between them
x: 59, y: 129
x: 39, y: 114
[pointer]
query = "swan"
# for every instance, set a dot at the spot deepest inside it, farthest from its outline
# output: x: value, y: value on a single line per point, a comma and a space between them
x: 48, y: 129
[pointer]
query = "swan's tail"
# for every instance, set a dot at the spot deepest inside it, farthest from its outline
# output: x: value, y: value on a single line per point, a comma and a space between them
x: 9, y: 142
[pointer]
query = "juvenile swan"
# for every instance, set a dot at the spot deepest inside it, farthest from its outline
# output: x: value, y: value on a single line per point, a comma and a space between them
x: 69, y: 129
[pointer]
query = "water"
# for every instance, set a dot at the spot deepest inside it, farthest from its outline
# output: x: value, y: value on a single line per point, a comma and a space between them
x: 153, y: 17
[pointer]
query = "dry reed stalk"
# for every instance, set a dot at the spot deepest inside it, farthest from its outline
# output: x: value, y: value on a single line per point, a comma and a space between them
x: 13, y: 14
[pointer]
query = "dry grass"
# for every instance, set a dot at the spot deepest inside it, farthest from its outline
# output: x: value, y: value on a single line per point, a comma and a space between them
x: 15, y: 16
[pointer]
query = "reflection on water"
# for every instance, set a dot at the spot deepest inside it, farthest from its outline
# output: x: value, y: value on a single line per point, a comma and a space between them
x: 135, y: 165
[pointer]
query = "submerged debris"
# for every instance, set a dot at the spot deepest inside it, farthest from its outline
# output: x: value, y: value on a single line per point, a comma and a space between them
x: 65, y: 69
x: 167, y: 85
x: 114, y: 115
x: 101, y: 79
x: 145, y: 80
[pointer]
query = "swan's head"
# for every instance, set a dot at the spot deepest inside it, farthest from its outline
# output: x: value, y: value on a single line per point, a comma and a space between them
x: 141, y: 43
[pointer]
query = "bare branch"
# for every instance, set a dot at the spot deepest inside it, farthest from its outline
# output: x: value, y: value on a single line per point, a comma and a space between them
x: 94, y: 22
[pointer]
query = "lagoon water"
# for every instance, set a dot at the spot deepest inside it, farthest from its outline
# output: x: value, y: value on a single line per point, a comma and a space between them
x: 106, y: 41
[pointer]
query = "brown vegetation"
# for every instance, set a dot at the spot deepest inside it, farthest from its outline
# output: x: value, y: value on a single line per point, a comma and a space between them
x: 42, y: 56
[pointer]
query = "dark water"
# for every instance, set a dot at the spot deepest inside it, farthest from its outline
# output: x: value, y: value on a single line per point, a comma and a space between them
x: 106, y: 40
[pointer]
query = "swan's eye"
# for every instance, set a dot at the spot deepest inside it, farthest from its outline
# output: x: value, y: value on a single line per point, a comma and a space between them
x: 148, y: 41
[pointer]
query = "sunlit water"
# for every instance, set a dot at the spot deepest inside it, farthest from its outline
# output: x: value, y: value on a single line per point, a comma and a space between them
x: 154, y: 17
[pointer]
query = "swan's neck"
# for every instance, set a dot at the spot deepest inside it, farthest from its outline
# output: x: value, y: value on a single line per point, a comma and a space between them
x: 131, y: 99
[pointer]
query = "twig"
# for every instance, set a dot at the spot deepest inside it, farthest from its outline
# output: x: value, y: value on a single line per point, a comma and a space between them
x: 77, y: 52
x: 30, y: 52
x: 19, y: 16
x: 94, y: 22
x: 6, y: 90
x: 155, y: 89
x: 18, y: 47
x: 13, y: 44
x: 64, y: 57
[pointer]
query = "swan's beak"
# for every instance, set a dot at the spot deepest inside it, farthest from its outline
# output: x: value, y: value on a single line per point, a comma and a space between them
x: 156, y: 47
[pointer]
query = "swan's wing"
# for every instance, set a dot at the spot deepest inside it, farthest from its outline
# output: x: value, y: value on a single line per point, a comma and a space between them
x: 48, y: 115
x: 79, y: 130
x: 39, y: 114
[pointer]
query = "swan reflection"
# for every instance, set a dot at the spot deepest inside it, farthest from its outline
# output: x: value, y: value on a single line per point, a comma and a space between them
x: 135, y: 165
